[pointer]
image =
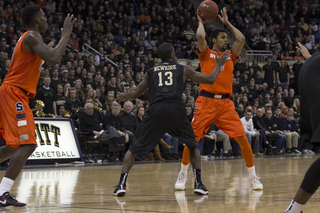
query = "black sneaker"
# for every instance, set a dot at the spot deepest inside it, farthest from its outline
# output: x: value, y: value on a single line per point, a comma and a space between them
x: 200, y: 189
x: 120, y: 190
x: 7, y: 200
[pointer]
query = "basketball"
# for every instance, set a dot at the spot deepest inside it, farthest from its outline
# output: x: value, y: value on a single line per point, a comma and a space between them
x: 208, y: 10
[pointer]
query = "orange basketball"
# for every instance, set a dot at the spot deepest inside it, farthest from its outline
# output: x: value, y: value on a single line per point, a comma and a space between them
x: 208, y: 10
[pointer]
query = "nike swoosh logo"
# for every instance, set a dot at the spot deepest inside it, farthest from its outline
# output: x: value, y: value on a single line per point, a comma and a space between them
x: 3, y: 202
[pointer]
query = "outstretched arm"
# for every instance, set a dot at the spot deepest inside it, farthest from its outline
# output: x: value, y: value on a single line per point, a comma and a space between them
x: 200, y: 78
x: 143, y: 86
x: 34, y: 42
x: 240, y: 39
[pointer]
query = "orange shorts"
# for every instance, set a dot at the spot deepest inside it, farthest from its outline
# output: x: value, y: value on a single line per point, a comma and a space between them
x: 16, y: 119
x: 219, y: 111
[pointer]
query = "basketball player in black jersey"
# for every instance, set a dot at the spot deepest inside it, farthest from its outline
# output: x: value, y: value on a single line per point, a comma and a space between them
x: 166, y: 113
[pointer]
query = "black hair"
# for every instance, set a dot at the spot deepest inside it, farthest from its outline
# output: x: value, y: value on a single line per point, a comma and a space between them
x: 215, y: 33
x: 66, y: 107
x: 164, y: 51
x: 29, y: 12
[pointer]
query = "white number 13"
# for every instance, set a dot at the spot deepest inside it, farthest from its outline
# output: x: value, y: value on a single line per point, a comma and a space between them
x: 169, y: 81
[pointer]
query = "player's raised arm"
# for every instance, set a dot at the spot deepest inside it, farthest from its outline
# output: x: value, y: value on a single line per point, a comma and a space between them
x: 34, y: 42
x: 142, y: 86
x: 200, y: 78
x: 240, y: 39
x: 201, y: 35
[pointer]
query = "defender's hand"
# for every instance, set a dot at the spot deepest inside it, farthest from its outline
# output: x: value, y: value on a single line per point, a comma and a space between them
x: 120, y: 97
x: 223, y: 58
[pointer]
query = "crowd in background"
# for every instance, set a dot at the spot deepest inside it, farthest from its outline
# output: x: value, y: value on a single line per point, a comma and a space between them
x: 126, y: 35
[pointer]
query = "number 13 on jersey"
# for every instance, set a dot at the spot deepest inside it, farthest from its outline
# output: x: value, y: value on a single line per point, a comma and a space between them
x: 168, y: 81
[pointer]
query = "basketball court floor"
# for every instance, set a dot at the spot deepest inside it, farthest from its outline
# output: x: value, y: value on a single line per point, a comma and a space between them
x: 150, y: 187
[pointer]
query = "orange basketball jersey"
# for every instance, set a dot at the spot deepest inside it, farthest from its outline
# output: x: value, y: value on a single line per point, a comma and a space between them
x: 223, y: 84
x: 24, y: 70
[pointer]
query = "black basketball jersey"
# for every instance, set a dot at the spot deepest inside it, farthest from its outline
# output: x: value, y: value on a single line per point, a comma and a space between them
x: 165, y: 82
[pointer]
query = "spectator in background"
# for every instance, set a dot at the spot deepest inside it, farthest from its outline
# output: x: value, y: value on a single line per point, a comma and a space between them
x: 90, y: 120
x: 250, y: 132
x: 60, y: 97
x: 289, y: 100
x: 112, y: 119
x: 140, y: 113
x: 261, y: 126
x: 283, y: 75
x: 296, y: 67
x: 291, y: 137
x: 129, y: 120
x: 269, y: 73
x: 296, y: 105
x: 48, y: 96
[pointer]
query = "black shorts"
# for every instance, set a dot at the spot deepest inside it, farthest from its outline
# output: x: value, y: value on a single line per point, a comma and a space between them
x: 163, y: 117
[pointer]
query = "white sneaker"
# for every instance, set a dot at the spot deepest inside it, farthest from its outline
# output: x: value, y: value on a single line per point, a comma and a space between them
x: 255, y: 183
x: 181, y: 182
x: 305, y: 151
x: 310, y: 151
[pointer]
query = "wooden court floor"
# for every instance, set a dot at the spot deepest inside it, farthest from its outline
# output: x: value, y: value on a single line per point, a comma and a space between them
x: 150, y: 187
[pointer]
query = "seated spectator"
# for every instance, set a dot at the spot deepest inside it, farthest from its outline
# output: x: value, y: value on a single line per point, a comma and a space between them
x: 112, y: 119
x: 285, y: 111
x: 179, y: 53
x: 149, y: 44
x: 262, y: 127
x: 60, y: 97
x: 289, y: 100
x: 272, y: 127
x: 296, y: 105
x: 113, y: 87
x: 172, y: 154
x: 129, y: 120
x: 64, y: 112
x: 73, y: 102
x: 291, y: 137
x: 251, y: 133
x: 90, y: 120
x: 55, y: 80
x: 140, y: 113
x: 219, y: 135
x: 240, y: 110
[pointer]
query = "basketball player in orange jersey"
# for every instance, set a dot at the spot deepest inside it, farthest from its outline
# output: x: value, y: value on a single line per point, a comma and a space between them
x: 17, y: 126
x: 213, y: 105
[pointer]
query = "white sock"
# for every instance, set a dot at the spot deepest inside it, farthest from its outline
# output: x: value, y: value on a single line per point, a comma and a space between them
x: 252, y: 171
x: 5, y: 185
x: 294, y: 207
x: 184, y: 168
